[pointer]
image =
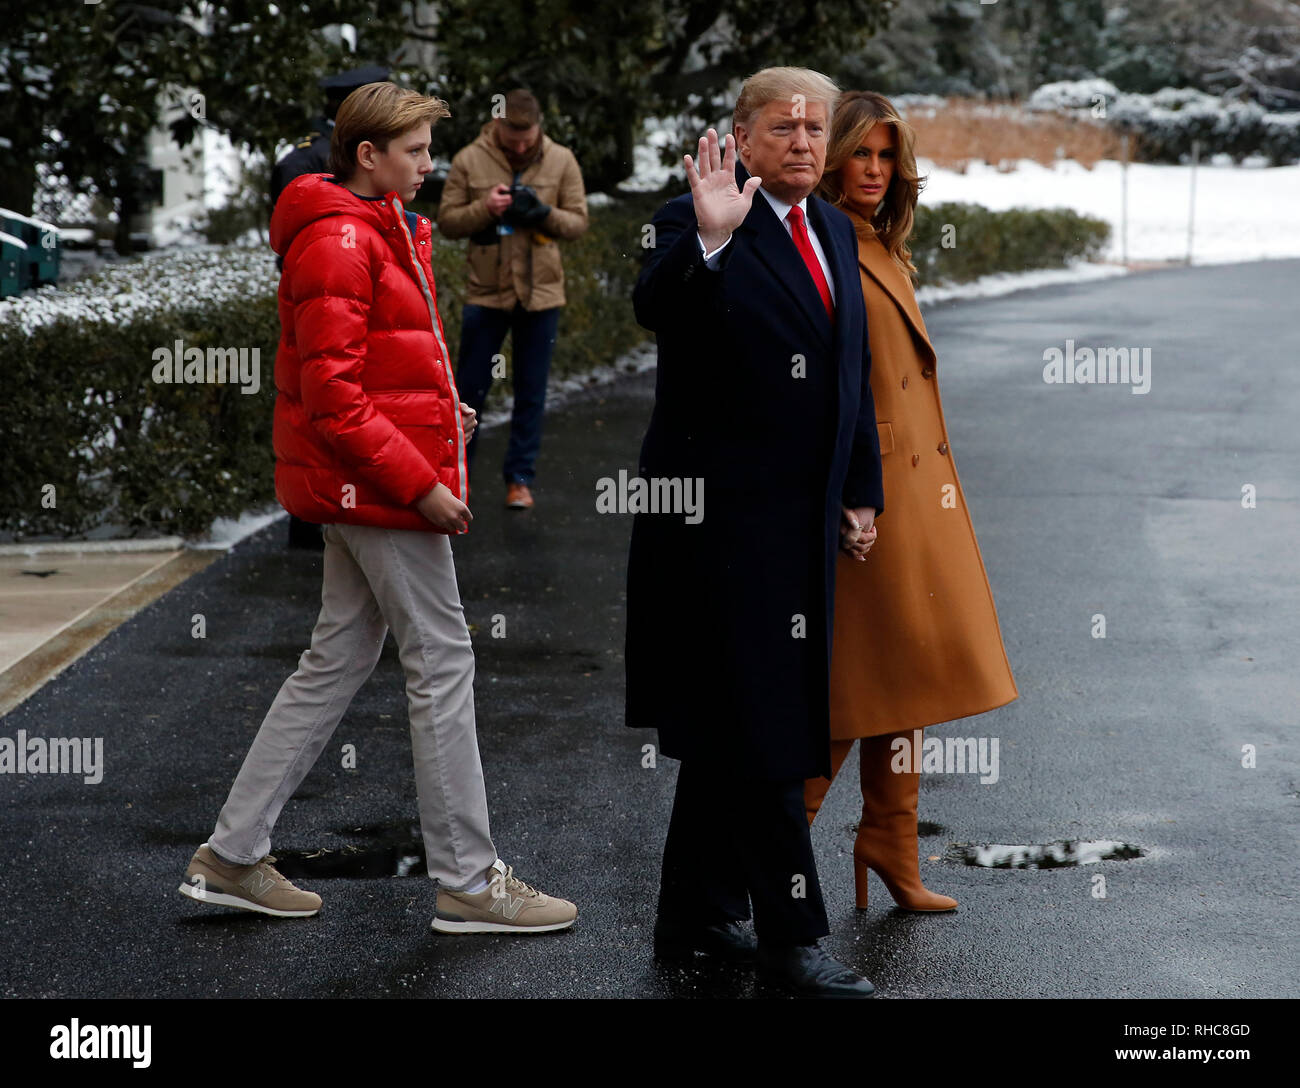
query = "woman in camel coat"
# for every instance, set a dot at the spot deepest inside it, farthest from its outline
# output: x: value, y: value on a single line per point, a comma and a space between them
x: 916, y: 638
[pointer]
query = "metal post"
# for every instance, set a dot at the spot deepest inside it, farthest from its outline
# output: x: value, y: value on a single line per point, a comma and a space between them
x: 1191, y: 200
x: 1123, y: 201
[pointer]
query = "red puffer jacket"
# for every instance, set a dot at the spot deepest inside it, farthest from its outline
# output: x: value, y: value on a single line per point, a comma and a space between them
x: 367, y: 419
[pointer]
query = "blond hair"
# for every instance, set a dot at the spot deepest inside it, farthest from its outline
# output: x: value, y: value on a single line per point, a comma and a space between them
x: 377, y: 112
x: 857, y: 113
x: 785, y: 84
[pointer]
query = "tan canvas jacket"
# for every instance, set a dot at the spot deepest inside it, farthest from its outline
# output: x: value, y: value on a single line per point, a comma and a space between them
x: 524, y: 266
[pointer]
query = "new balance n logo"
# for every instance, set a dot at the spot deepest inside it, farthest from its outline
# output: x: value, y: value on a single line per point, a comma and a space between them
x: 504, y: 903
x: 258, y: 884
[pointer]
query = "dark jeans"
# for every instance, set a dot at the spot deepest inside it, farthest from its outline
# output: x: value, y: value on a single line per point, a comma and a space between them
x: 733, y: 839
x: 532, y: 334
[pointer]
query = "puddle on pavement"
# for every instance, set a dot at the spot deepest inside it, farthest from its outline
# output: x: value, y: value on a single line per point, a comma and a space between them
x: 1052, y: 855
x: 394, y: 850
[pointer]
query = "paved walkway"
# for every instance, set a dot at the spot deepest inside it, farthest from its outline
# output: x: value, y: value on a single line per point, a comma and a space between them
x: 1086, y: 499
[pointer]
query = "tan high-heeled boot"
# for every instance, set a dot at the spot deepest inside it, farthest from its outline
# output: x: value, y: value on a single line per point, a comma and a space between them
x: 887, y: 839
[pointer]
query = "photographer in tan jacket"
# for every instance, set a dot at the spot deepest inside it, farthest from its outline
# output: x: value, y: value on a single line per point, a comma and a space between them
x: 514, y: 192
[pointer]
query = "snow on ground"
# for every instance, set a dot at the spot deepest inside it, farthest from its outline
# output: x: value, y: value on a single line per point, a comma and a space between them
x: 109, y: 546
x: 1242, y: 213
x: 222, y: 535
x: 1006, y: 283
x: 559, y: 391
x: 225, y: 533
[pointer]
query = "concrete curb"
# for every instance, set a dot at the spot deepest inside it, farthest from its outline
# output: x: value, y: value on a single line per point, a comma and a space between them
x: 44, y: 662
x: 103, y: 547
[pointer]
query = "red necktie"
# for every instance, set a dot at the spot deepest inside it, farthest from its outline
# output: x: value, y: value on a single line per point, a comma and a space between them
x: 803, y: 244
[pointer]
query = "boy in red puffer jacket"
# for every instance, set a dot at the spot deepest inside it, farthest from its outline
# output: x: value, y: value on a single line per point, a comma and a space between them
x: 370, y: 443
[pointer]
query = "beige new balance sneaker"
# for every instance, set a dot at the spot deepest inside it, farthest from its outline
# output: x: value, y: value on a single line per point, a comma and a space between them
x: 506, y: 905
x: 248, y: 887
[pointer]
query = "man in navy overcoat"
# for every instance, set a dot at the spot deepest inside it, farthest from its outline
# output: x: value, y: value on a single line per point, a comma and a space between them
x: 763, y: 399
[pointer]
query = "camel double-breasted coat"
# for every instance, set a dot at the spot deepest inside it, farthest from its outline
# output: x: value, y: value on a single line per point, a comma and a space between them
x: 916, y: 636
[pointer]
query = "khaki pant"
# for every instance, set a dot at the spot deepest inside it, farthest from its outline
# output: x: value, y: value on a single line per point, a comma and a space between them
x: 376, y: 579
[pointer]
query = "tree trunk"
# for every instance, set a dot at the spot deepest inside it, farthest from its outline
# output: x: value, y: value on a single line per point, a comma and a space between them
x: 18, y: 186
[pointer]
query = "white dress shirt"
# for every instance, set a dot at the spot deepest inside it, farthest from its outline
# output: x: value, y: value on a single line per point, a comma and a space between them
x: 782, y: 209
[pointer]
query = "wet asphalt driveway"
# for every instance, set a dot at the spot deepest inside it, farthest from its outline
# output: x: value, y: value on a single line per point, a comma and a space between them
x: 1087, y: 500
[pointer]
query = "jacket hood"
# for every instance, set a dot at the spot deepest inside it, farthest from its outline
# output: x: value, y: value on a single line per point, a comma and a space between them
x: 315, y: 196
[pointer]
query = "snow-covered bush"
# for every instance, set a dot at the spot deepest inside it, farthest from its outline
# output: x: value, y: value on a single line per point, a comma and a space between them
x: 918, y: 102
x: 1167, y: 122
x: 92, y: 439
x: 1281, y: 137
x: 185, y: 279
x: 1072, y: 94
x: 1183, y: 98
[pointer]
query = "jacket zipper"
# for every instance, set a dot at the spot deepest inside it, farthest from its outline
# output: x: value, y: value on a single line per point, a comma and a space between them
x: 461, y: 471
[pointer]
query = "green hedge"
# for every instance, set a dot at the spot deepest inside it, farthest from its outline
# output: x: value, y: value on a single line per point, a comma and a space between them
x: 119, y: 448
x: 82, y: 414
x: 121, y: 451
x: 982, y: 242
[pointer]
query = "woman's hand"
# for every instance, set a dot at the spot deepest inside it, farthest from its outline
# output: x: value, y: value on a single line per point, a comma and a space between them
x: 446, y: 511
x: 468, y: 420
x: 858, y: 531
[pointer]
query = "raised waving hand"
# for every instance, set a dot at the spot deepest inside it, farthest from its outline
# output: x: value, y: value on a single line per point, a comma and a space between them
x: 720, y: 207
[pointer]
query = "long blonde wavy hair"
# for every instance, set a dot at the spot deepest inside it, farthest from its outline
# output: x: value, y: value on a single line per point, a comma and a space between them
x: 855, y: 115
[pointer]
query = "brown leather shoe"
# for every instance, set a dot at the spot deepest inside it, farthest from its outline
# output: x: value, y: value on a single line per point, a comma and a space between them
x: 518, y: 497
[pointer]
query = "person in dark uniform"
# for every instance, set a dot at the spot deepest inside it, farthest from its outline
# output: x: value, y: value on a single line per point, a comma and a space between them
x: 310, y: 155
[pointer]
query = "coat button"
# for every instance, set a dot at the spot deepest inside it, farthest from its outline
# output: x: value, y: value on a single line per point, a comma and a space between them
x: 927, y: 373
x: 904, y: 383
x: 916, y: 459
x: 943, y: 447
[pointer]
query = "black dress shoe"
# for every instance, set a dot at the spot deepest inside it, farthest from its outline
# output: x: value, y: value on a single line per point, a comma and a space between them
x: 726, y: 941
x: 808, y: 970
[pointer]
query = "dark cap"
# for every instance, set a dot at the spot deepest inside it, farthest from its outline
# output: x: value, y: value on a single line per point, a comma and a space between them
x: 354, y: 78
